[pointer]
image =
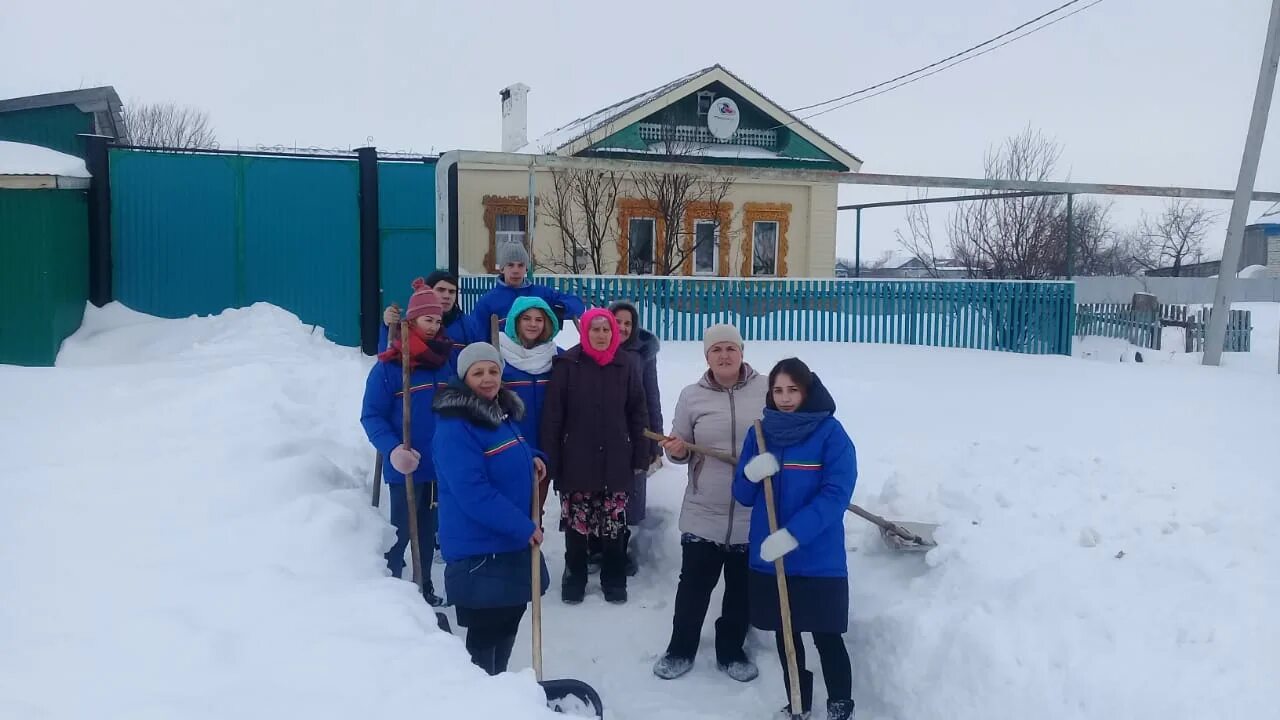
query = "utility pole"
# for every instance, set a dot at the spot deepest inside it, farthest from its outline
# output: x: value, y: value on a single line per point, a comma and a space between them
x: 1217, y: 331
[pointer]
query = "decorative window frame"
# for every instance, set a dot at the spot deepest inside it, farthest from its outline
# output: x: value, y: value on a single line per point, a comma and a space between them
x: 633, y: 208
x: 754, y: 212
x: 495, y: 205
x: 721, y: 215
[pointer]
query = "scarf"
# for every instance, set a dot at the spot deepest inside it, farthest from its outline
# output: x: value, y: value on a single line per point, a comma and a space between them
x: 535, y: 360
x: 784, y: 429
x: 601, y: 357
x: 430, y: 354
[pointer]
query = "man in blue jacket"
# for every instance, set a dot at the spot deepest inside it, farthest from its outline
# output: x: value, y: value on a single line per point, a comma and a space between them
x: 513, y: 260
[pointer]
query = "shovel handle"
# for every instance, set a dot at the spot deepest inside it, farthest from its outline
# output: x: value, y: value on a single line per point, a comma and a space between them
x: 699, y: 449
x: 784, y: 598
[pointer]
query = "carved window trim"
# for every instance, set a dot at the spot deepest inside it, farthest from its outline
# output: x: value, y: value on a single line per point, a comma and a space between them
x: 495, y: 205
x: 633, y: 208
x: 753, y: 212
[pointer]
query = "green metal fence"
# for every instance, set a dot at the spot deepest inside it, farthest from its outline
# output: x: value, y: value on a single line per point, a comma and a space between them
x: 1026, y: 317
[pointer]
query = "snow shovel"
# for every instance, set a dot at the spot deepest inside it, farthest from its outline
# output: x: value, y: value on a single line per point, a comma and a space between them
x: 784, y: 599
x: 901, y: 535
x: 377, y: 480
x: 410, y: 495
x: 563, y: 696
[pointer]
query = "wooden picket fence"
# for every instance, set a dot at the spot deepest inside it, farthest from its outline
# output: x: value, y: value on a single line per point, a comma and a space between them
x: 1145, y: 329
x: 1011, y: 316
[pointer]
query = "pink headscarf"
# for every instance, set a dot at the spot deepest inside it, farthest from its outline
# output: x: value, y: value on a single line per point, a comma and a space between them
x: 602, y: 357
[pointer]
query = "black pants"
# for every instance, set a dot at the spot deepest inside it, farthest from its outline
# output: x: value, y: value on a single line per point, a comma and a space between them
x: 491, y: 635
x: 423, y: 493
x: 613, y: 568
x: 836, y: 669
x: 700, y: 570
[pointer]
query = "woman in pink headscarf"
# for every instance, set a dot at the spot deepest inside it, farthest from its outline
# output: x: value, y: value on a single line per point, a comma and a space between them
x: 593, y: 434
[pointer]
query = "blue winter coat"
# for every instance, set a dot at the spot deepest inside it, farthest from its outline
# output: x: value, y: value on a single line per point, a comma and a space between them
x: 812, y: 493
x: 460, y: 329
x: 532, y: 391
x: 383, y: 413
x: 485, y: 474
x: 498, y: 301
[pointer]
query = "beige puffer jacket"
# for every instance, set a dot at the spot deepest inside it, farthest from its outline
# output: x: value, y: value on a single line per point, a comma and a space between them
x: 713, y: 417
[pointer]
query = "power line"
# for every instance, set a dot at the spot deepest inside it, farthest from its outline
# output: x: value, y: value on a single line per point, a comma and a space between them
x: 944, y: 60
x: 946, y: 67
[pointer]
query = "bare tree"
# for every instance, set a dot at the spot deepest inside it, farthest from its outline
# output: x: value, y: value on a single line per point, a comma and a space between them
x: 1173, y: 237
x: 918, y: 240
x: 581, y: 206
x: 674, y: 194
x: 168, y: 125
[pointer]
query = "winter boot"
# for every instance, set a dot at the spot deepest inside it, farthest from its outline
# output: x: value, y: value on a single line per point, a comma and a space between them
x: 616, y: 594
x: 670, y: 667
x: 806, y: 696
x: 839, y: 710
x: 573, y: 584
x: 740, y: 670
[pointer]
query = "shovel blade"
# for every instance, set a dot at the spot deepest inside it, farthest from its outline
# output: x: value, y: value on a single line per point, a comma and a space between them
x: 922, y: 530
x: 573, y: 697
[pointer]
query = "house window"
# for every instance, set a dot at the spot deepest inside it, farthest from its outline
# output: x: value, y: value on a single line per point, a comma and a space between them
x: 705, y: 98
x: 509, y: 229
x: 706, y: 238
x: 640, y: 245
x: 764, y: 247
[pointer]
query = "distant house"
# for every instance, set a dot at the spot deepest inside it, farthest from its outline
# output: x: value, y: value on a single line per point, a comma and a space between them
x: 1261, y: 247
x: 762, y: 228
x: 900, y: 264
x: 56, y: 120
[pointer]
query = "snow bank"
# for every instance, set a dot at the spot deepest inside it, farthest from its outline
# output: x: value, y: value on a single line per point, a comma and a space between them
x: 23, y: 159
x: 185, y: 532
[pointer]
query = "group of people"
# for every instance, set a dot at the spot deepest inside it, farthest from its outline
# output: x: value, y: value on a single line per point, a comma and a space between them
x: 497, y: 425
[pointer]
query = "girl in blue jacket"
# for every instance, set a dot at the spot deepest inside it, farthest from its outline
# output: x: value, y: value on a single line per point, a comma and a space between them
x: 528, y: 347
x: 460, y: 327
x: 486, y: 475
x: 383, y: 414
x: 812, y: 466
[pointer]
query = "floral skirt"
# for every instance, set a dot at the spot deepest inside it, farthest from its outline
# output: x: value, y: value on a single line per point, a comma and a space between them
x: 599, y: 514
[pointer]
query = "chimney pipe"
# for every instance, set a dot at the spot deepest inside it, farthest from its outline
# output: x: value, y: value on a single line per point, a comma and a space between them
x: 515, y: 117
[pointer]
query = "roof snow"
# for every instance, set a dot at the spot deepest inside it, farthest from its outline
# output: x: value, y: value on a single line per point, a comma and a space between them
x: 23, y: 159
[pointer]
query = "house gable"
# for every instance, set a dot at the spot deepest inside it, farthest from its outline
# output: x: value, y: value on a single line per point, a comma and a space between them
x: 637, y: 128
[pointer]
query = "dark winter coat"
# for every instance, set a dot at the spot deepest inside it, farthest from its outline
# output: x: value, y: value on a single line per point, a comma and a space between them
x: 593, y: 424
x: 458, y: 327
x: 499, y: 300
x: 645, y: 346
x: 812, y: 491
x: 485, y: 474
x: 383, y: 414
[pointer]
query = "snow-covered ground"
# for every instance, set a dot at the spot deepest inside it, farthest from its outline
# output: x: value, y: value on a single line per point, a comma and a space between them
x: 185, y: 532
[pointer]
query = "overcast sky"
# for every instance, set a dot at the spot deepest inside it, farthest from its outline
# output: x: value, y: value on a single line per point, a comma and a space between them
x: 1136, y: 91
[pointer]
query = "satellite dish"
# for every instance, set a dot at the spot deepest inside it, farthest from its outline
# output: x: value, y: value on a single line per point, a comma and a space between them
x: 722, y: 118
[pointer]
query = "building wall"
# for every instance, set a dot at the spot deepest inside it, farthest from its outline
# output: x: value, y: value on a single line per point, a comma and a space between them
x: 809, y: 210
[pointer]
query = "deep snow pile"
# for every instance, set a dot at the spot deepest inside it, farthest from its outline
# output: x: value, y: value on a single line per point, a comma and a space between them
x: 24, y: 159
x: 185, y: 533
x: 184, y: 509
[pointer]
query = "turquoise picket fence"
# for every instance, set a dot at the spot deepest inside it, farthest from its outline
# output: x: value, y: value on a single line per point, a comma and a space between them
x: 1013, y: 316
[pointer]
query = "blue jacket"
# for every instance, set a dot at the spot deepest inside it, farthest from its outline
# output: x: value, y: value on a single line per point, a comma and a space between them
x: 461, y: 330
x: 383, y: 413
x: 499, y: 300
x: 486, y: 474
x: 532, y: 391
x: 812, y: 493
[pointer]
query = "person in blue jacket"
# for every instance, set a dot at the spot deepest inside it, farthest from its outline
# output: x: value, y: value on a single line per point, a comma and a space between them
x: 513, y: 261
x: 459, y: 326
x: 487, y: 470
x: 812, y: 466
x: 382, y: 417
x: 528, y: 347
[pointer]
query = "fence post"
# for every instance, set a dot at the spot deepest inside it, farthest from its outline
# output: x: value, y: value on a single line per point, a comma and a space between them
x: 370, y: 251
x: 98, y: 164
